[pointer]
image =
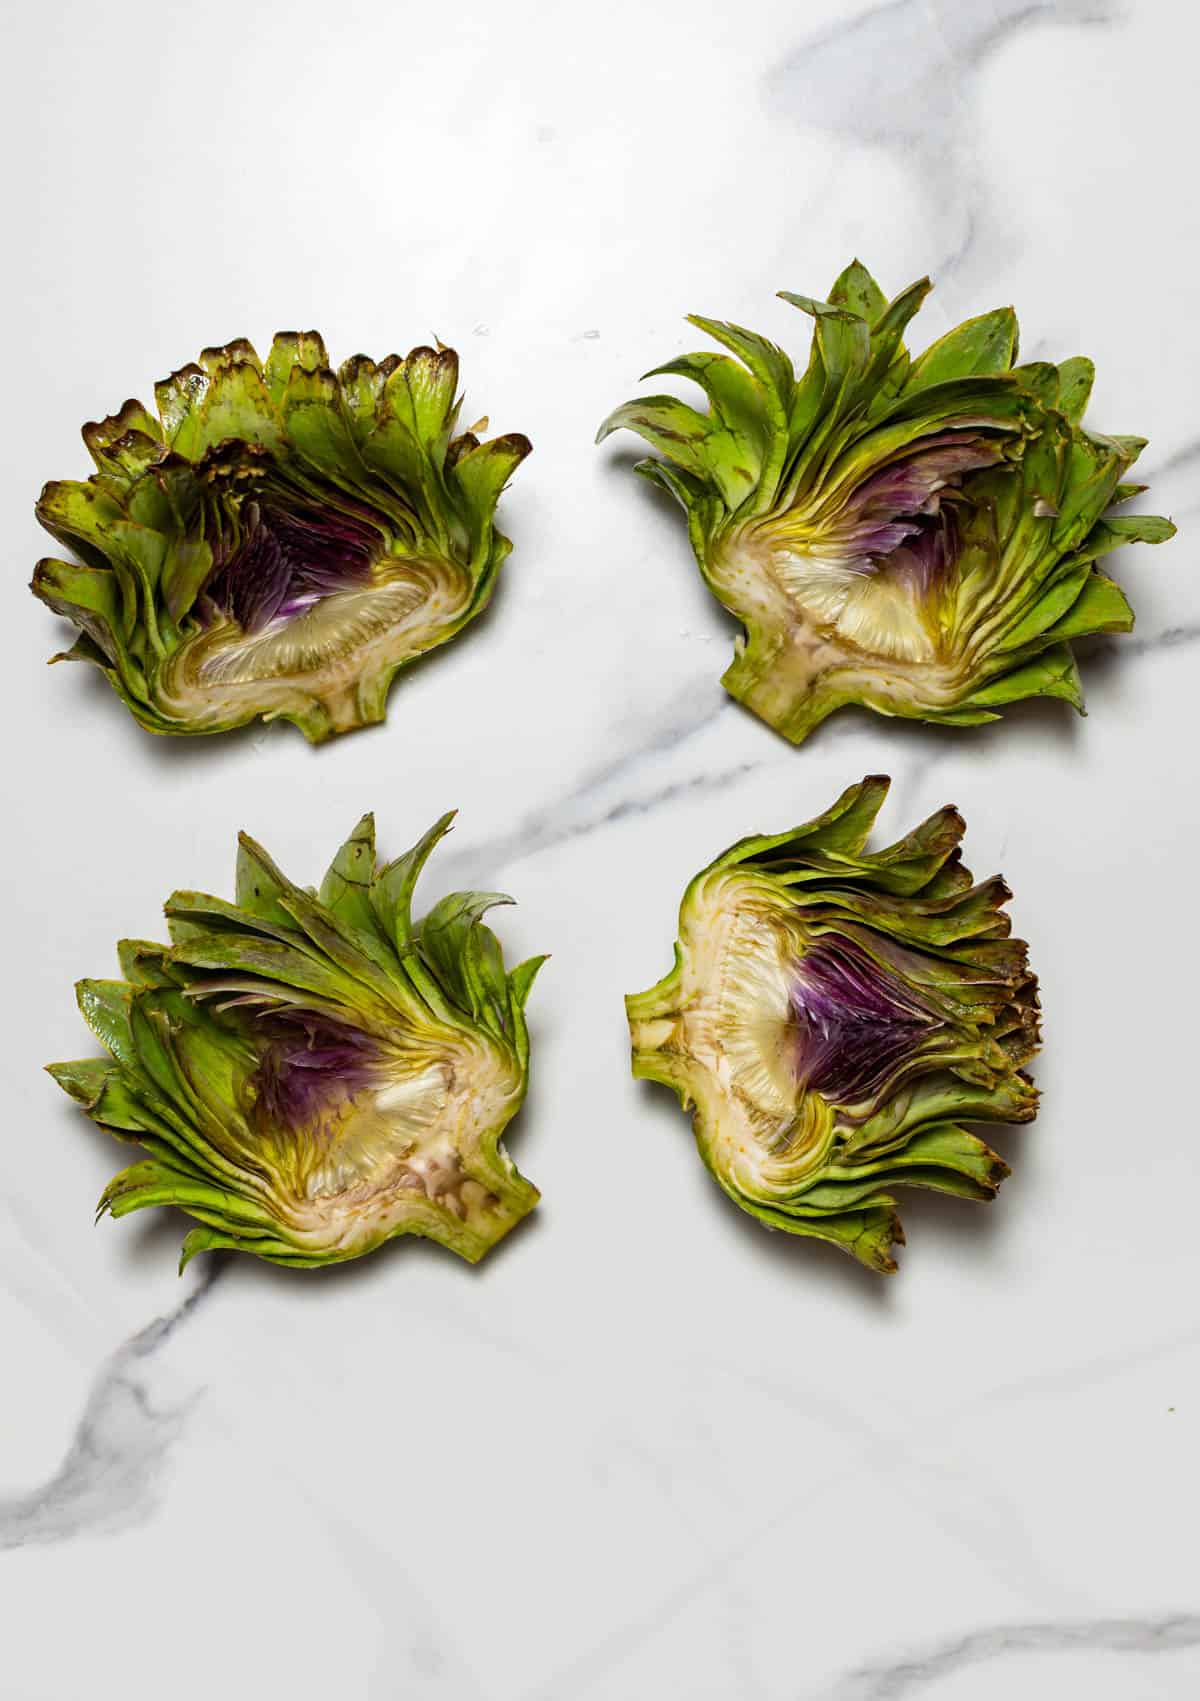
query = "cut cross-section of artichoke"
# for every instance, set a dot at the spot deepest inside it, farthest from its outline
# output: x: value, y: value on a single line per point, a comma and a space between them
x: 281, y: 540
x: 315, y: 1074
x: 835, y: 1016
x: 919, y: 536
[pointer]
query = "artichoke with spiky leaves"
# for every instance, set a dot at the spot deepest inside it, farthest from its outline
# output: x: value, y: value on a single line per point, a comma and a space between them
x: 281, y: 540
x: 916, y: 535
x: 833, y: 1018
x: 313, y: 1074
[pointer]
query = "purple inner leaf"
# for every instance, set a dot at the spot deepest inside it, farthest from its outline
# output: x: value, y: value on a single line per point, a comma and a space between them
x: 853, y: 1022
x: 286, y: 559
x: 898, y: 518
x: 926, y: 554
x: 309, y: 1064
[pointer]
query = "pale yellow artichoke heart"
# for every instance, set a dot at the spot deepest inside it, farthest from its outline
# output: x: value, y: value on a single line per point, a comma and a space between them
x: 322, y: 653
x: 367, y: 1164
x: 875, y: 612
x: 737, y: 1027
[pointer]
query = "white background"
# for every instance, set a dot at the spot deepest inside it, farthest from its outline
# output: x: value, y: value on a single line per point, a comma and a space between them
x: 645, y: 1450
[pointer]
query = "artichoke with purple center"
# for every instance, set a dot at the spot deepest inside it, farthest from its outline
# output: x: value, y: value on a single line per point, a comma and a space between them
x: 836, y: 1017
x: 917, y: 535
x: 313, y: 1073
x: 281, y: 540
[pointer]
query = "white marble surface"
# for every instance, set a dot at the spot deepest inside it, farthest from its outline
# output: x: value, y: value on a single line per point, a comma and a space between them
x: 647, y: 1450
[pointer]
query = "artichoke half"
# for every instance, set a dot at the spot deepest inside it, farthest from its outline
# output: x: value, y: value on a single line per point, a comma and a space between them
x: 281, y: 540
x: 315, y: 1074
x: 835, y: 1015
x: 916, y: 535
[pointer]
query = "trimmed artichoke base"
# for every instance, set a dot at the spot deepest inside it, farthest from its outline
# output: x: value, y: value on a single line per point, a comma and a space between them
x: 400, y: 1154
x: 853, y: 636
x: 329, y: 666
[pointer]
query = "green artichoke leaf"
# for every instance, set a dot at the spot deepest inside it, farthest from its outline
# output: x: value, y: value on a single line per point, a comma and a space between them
x: 1076, y: 376
x: 732, y: 393
x: 1101, y: 606
x: 834, y: 1015
x: 908, y: 534
x: 346, y: 888
x: 314, y: 1074
x: 520, y: 981
x: 282, y: 540
x: 985, y: 344
x: 668, y: 425
x: 856, y: 289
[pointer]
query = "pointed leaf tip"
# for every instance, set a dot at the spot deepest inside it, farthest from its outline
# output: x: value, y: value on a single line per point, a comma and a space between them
x: 523, y: 976
x: 856, y: 289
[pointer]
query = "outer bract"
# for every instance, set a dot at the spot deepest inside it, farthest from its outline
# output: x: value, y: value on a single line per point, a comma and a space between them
x: 917, y: 535
x: 281, y: 540
x: 834, y: 1016
x: 312, y: 1075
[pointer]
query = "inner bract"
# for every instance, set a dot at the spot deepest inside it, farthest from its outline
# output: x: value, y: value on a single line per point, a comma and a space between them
x: 899, y: 511
x: 309, y: 601
x: 869, y: 564
x: 310, y: 1067
x: 357, y: 1125
x: 852, y: 1023
x: 305, y: 593
x: 286, y: 559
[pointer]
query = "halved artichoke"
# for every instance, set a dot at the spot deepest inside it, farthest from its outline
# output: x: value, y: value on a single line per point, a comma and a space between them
x: 916, y: 535
x: 281, y: 540
x: 834, y: 1016
x: 315, y: 1074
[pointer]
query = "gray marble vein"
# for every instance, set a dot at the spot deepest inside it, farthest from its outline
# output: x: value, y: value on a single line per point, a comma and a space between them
x: 899, y: 76
x: 1073, y: 1377
x: 892, y: 1680
x: 554, y: 826
x: 576, y: 1676
x: 424, y: 1651
x: 568, y: 816
x: 113, y: 1469
x: 1170, y: 638
x: 1137, y: 644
